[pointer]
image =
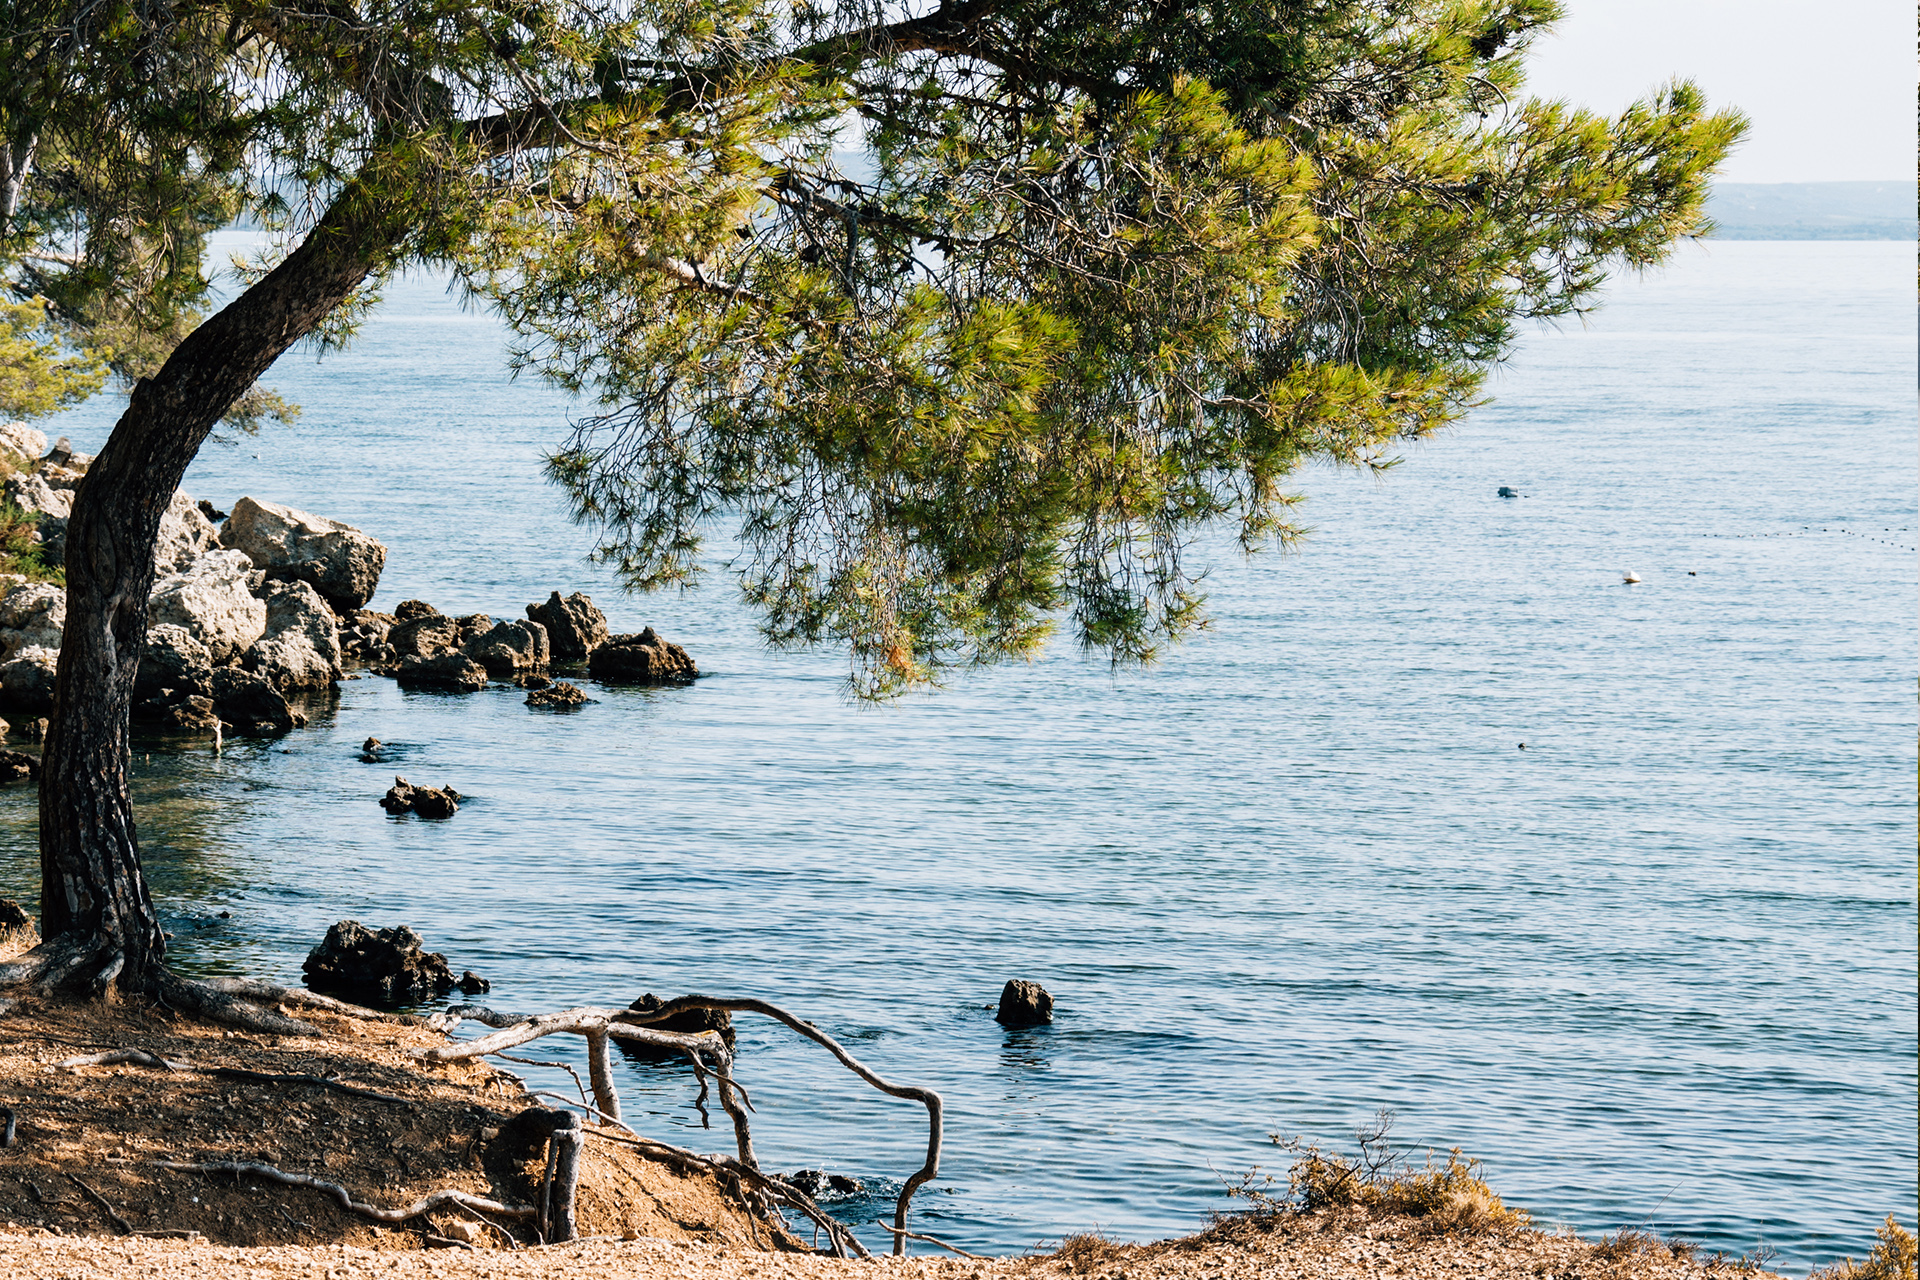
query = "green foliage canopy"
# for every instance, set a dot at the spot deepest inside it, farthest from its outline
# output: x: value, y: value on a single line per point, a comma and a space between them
x: 969, y: 314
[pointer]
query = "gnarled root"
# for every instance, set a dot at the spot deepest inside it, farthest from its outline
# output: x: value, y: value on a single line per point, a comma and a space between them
x: 344, y: 1198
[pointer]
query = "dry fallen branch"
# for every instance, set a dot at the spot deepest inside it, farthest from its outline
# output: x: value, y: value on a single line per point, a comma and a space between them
x: 933, y: 1240
x: 599, y: 1026
x: 344, y: 1198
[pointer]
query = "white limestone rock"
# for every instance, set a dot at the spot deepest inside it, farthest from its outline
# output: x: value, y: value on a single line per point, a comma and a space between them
x: 210, y: 598
x: 340, y: 561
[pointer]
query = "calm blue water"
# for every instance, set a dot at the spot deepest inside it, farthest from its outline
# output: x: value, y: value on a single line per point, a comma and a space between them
x: 1658, y: 968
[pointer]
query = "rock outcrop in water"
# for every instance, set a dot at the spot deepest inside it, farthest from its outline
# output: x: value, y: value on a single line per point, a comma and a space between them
x: 392, y: 966
x: 688, y: 1022
x: 428, y: 802
x: 287, y: 544
x: 1024, y: 1004
x: 560, y: 696
x: 641, y: 659
x: 575, y: 628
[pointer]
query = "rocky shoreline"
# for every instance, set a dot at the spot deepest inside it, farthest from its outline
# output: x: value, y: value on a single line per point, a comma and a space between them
x: 258, y: 608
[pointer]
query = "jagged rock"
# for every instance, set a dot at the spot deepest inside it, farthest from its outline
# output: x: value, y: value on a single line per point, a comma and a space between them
x: 174, y: 666
x: 26, y: 680
x: 363, y: 634
x: 561, y: 697
x: 32, y: 616
x: 507, y: 649
x: 1024, y: 1004
x: 473, y: 984
x: 34, y: 492
x: 17, y: 765
x: 338, y: 560
x: 447, y: 673
x: 300, y: 648
x: 574, y: 627
x: 185, y: 535
x: 391, y: 966
x: 62, y: 457
x: 251, y: 705
x: 819, y: 1184
x: 473, y: 624
x: 408, y: 610
x: 688, y: 1022
x: 17, y: 931
x: 641, y: 659
x: 19, y: 438
x: 213, y: 514
x: 428, y: 802
x: 211, y: 599
x: 424, y: 637
x: 191, y: 714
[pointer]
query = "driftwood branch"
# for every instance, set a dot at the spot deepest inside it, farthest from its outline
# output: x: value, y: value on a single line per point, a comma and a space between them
x: 933, y: 1240
x: 599, y: 1026
x: 344, y: 1198
x: 926, y: 1097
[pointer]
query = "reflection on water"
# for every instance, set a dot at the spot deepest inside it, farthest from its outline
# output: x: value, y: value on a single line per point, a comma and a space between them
x: 1657, y: 969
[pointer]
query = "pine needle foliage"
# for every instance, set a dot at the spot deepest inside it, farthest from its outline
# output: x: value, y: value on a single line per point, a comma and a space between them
x: 967, y: 317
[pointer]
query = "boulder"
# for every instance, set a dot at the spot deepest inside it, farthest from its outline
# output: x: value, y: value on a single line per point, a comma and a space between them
x: 21, y: 439
x: 185, y: 535
x: 338, y: 560
x: 26, y: 680
x: 428, y: 802
x: 508, y: 649
x: 561, y: 697
x: 17, y: 931
x: 641, y: 659
x: 473, y: 984
x: 251, y: 705
x: 688, y: 1022
x: 300, y: 648
x: 34, y: 493
x: 408, y: 610
x: 424, y: 637
x: 174, y: 666
x: 390, y: 967
x: 17, y: 766
x: 574, y: 627
x: 447, y: 673
x: 1024, y: 1004
x: 192, y: 714
x: 32, y: 616
x: 213, y: 514
x: 211, y: 598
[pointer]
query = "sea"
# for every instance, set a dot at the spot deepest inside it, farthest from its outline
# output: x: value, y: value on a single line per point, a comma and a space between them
x: 1609, y: 885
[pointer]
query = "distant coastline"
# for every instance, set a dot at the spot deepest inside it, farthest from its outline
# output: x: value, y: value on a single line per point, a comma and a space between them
x: 1813, y: 211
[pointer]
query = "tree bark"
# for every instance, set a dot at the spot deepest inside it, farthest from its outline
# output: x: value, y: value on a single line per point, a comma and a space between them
x: 93, y: 894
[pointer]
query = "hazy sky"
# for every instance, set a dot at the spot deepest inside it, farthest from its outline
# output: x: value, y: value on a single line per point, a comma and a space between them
x: 1829, y: 85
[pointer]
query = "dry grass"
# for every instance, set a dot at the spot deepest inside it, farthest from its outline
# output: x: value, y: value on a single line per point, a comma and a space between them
x: 1893, y: 1258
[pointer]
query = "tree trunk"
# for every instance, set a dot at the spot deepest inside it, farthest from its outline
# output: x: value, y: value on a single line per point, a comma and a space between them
x: 93, y: 894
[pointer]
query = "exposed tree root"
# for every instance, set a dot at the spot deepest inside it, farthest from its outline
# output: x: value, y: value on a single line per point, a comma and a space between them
x: 344, y: 1198
x: 933, y: 1240
x: 141, y: 1058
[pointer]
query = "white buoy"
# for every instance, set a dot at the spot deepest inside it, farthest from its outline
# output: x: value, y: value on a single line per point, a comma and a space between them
x: 1632, y: 578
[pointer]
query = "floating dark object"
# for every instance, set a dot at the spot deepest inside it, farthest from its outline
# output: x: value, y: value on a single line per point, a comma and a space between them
x: 1024, y: 1004
x: 818, y: 1183
x: 1507, y: 492
x: 473, y: 984
x: 688, y: 1022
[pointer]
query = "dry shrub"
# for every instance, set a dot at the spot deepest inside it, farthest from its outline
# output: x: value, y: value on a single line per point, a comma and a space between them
x: 1089, y: 1251
x: 1893, y: 1258
x: 1449, y: 1199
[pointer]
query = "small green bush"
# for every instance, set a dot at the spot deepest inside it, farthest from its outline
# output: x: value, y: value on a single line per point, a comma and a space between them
x: 20, y: 551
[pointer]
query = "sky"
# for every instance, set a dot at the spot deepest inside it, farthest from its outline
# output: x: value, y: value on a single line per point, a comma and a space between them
x: 1828, y: 84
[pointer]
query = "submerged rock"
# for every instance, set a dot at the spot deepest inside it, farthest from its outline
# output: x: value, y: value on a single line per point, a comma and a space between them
x: 1024, y: 1004
x: 688, y: 1022
x: 642, y: 659
x: 819, y: 1184
x: 391, y: 966
x: 339, y: 561
x: 16, y: 766
x: 473, y: 984
x: 428, y: 802
x: 575, y: 628
x: 561, y: 696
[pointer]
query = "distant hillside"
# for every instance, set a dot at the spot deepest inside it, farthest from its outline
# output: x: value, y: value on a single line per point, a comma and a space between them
x: 1813, y: 210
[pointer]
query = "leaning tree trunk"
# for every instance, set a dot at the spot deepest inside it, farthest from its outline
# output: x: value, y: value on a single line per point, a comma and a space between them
x: 96, y: 915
